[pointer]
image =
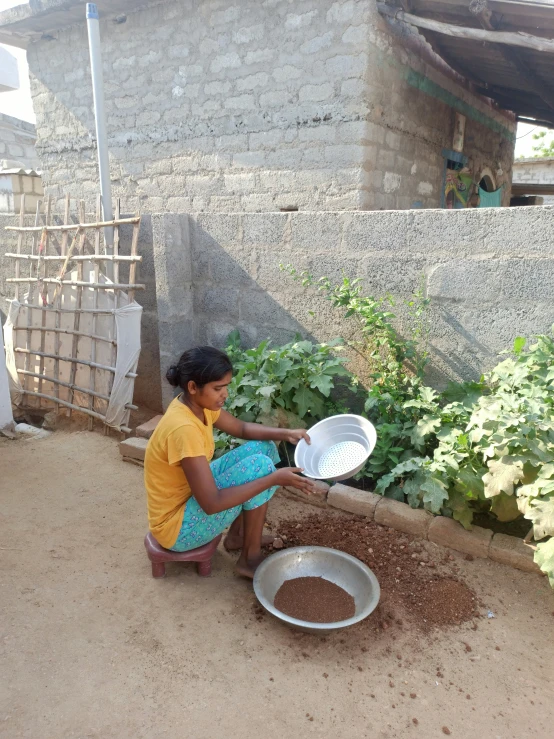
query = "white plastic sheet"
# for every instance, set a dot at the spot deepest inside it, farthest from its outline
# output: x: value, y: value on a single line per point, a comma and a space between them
x: 127, y: 321
x: 6, y: 416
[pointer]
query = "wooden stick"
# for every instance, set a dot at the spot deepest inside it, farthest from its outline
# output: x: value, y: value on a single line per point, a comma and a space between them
x: 20, y: 238
x: 132, y: 280
x: 518, y: 38
x: 92, y: 372
x: 78, y: 283
x: 57, y: 298
x: 43, y: 294
x: 77, y: 258
x: 29, y: 303
x: 73, y: 407
x: 74, y: 360
x: 83, y: 390
x: 116, y: 296
x: 133, y: 267
x: 71, y: 332
x: 74, y: 226
x: 106, y: 311
x: 20, y: 241
x: 77, y: 318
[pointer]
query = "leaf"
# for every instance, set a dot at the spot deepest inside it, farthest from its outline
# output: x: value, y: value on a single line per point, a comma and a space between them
x: 544, y: 557
x: 395, y: 493
x: 464, y: 516
x: 412, y: 489
x: 505, y: 507
x: 519, y: 344
x: 503, y: 474
x: 435, y: 494
x: 541, y: 512
x: 324, y: 383
x: 425, y: 427
x: 306, y: 400
x: 267, y: 391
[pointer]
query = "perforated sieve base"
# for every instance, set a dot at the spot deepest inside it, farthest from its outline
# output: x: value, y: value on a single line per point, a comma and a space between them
x: 340, y: 458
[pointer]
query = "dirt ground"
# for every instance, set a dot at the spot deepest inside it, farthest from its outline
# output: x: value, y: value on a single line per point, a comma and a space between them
x: 92, y: 646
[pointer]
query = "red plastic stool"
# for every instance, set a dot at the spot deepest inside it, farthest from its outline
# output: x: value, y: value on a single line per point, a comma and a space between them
x: 159, y: 556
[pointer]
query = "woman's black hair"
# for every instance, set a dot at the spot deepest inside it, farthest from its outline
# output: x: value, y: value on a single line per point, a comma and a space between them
x: 202, y: 364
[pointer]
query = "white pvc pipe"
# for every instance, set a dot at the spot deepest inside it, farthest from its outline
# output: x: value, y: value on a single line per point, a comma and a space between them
x: 100, y: 118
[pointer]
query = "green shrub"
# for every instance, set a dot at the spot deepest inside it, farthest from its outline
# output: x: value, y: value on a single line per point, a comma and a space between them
x: 287, y: 386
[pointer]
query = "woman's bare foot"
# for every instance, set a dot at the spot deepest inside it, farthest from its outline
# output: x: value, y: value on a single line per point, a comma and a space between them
x: 232, y: 542
x: 247, y: 567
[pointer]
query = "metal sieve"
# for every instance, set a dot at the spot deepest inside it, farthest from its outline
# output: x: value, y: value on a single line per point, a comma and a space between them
x: 340, y: 446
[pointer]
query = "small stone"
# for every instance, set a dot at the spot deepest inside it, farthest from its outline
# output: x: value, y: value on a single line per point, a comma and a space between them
x: 415, y: 721
x: 413, y: 695
x: 278, y: 543
x: 325, y: 675
x: 445, y: 730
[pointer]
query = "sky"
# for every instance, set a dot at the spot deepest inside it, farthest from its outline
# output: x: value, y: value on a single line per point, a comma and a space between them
x: 19, y: 105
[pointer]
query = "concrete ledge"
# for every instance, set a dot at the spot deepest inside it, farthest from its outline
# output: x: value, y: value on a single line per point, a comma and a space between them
x: 133, y: 448
x: 479, y: 542
x: 145, y: 430
x: 402, y: 517
x: 512, y: 552
x: 449, y: 533
x: 353, y: 500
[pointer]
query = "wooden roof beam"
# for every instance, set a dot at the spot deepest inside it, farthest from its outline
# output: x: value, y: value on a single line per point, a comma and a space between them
x: 510, y: 38
x: 480, y: 9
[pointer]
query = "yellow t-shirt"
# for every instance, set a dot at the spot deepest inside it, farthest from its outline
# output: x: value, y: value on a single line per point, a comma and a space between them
x: 178, y: 435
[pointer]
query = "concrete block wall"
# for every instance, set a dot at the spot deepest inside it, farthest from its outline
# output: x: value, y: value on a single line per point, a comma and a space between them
x: 17, y: 142
x: 147, y: 384
x: 254, y: 106
x: 489, y: 273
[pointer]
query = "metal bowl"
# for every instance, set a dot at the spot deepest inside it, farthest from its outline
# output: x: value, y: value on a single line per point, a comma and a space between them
x: 340, y: 568
x: 340, y: 447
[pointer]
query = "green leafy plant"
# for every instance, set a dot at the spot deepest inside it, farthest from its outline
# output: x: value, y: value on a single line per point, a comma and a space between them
x: 395, y: 398
x: 285, y: 386
x: 494, y: 449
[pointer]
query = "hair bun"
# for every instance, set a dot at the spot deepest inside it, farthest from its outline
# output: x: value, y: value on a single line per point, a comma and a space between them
x: 172, y: 375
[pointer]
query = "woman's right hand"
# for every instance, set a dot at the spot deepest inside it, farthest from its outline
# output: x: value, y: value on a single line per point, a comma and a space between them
x: 289, y: 477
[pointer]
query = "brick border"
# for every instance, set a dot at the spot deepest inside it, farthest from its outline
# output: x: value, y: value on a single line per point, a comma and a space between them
x: 479, y: 542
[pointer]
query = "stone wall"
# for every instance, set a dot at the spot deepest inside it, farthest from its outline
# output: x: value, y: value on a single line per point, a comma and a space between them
x: 489, y: 274
x: 147, y: 385
x: 254, y: 106
x: 17, y: 142
x: 536, y: 172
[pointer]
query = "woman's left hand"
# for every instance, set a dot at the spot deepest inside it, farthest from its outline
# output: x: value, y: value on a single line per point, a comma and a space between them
x: 294, y: 435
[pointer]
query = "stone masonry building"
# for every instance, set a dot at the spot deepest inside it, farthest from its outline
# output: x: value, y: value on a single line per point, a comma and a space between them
x: 253, y: 106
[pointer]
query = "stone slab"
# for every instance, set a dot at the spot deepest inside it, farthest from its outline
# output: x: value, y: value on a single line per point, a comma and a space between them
x: 145, y: 430
x: 137, y: 462
x: 133, y: 448
x: 511, y: 551
x: 402, y: 517
x: 449, y: 533
x: 353, y: 500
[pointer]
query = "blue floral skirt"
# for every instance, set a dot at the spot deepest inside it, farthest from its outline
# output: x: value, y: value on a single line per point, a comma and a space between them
x: 244, y: 464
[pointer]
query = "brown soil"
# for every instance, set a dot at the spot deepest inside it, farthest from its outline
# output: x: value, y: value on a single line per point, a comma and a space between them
x: 95, y: 647
x: 411, y: 585
x: 314, y: 599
